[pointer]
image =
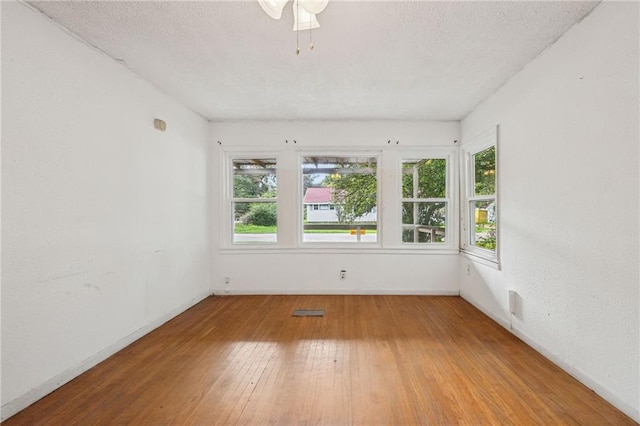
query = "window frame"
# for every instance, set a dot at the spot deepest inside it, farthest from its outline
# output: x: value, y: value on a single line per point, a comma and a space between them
x: 477, y: 144
x: 332, y: 152
x: 290, y: 199
x: 414, y: 199
x: 450, y: 199
x: 228, y: 216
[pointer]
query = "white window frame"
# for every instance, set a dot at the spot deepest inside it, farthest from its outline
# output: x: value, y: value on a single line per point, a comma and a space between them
x: 379, y: 219
x: 451, y: 228
x: 228, y: 212
x: 290, y: 199
x: 477, y: 144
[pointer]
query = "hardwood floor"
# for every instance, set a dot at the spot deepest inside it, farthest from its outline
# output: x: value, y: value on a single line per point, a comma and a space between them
x: 371, y: 360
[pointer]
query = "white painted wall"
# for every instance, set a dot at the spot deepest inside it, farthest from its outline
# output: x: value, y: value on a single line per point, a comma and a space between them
x: 569, y: 194
x: 318, y: 272
x: 389, y: 269
x: 105, y: 220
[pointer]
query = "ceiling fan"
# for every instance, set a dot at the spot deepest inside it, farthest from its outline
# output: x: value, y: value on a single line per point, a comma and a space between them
x: 304, y: 14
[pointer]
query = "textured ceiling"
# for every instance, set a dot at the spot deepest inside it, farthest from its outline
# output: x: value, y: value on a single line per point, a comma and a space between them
x: 393, y: 60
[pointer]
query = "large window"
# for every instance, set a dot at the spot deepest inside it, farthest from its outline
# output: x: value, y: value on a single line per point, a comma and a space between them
x: 254, y: 200
x: 340, y: 198
x: 318, y: 198
x: 481, y: 236
x: 424, y: 201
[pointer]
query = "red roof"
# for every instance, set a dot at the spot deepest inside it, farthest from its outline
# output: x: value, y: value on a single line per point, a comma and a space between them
x: 318, y: 196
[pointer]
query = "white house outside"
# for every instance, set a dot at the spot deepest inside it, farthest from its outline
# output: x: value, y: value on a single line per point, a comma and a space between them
x: 320, y: 207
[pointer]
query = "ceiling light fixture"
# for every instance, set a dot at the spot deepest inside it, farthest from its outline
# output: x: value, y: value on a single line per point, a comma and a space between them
x: 304, y: 15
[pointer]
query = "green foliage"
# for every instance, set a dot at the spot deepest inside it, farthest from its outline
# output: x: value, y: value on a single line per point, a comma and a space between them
x: 431, y: 180
x: 408, y: 236
x: 488, y: 242
x: 424, y: 179
x: 487, y: 237
x: 354, y: 194
x: 262, y: 214
x: 252, y: 186
x: 429, y: 214
x: 485, y: 171
x: 246, y: 186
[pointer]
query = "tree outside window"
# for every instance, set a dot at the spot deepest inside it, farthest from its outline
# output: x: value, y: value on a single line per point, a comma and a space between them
x: 345, y: 189
x: 482, y: 203
x: 254, y: 200
x: 424, y: 200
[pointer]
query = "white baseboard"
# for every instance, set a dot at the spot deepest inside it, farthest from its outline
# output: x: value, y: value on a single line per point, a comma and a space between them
x: 629, y: 410
x: 500, y: 320
x: 23, y: 401
x: 333, y: 291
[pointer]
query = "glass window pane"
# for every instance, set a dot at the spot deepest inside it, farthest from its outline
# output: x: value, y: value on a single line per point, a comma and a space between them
x: 431, y: 214
x: 407, y: 213
x: 339, y: 233
x: 483, y: 218
x: 429, y: 220
x: 432, y: 178
x: 428, y: 177
x: 254, y: 178
x: 344, y: 189
x: 408, y: 234
x: 484, y: 163
x: 429, y: 236
x: 255, y: 223
x: 407, y: 179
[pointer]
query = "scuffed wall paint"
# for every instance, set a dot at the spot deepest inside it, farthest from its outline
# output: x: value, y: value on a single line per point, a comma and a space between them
x: 105, y: 219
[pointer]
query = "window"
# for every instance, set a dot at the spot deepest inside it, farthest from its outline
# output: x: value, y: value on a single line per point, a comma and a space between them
x: 346, y: 190
x: 424, y: 201
x: 254, y: 200
x: 481, y: 201
x: 391, y: 198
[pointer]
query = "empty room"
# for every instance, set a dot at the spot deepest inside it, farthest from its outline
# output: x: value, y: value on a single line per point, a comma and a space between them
x: 320, y: 212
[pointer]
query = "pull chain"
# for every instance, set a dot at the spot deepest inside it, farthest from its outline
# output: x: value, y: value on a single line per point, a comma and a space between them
x: 297, y: 27
x: 310, y: 31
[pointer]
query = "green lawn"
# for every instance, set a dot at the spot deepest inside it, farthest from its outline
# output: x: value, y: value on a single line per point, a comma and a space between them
x: 254, y: 229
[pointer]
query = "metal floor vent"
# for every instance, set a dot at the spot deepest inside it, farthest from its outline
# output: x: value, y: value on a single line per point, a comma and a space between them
x: 308, y: 313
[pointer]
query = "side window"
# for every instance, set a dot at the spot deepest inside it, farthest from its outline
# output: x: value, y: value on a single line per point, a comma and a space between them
x: 425, y: 201
x: 482, y: 200
x: 254, y: 200
x: 340, y: 198
x: 481, y: 207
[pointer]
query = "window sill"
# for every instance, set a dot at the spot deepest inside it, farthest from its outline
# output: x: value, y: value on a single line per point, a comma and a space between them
x: 334, y: 250
x: 483, y: 260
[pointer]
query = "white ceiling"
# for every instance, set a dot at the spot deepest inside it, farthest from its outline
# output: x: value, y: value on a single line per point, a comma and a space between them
x: 390, y: 60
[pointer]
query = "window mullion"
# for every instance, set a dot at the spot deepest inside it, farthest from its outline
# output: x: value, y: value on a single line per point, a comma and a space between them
x: 254, y: 200
x: 483, y: 198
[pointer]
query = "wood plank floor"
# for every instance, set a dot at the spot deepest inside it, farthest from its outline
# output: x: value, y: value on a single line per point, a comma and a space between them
x: 371, y: 360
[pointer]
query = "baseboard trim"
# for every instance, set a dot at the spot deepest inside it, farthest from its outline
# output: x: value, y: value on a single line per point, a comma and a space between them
x: 335, y: 291
x: 500, y: 320
x: 629, y: 410
x: 23, y: 401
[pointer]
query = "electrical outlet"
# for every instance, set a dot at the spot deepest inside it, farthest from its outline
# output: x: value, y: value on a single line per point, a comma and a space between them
x: 468, y: 269
x: 513, y: 300
x: 227, y: 280
x: 343, y: 274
